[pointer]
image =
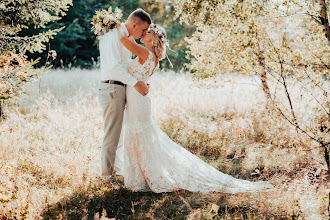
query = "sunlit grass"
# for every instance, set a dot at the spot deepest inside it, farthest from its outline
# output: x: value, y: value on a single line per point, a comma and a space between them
x: 50, y: 143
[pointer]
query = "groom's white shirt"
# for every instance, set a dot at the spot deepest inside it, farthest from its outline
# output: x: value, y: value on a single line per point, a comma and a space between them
x: 115, y: 58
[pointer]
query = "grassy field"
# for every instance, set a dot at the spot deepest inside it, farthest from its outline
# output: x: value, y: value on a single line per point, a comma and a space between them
x: 51, y: 142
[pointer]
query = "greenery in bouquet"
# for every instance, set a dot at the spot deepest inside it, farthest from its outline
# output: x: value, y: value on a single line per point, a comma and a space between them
x: 105, y: 20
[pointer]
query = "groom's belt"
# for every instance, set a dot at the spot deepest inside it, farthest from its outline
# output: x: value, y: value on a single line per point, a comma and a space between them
x: 113, y: 82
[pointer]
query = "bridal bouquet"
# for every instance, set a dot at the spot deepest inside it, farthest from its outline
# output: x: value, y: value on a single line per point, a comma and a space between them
x: 105, y: 20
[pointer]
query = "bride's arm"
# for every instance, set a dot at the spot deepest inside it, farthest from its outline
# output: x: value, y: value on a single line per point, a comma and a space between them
x: 135, y: 48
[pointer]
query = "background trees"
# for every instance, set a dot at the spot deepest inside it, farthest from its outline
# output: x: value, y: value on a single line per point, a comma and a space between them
x: 15, y: 42
x: 75, y: 45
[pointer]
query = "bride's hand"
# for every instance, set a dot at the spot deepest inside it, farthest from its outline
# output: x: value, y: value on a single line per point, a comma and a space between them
x: 121, y: 32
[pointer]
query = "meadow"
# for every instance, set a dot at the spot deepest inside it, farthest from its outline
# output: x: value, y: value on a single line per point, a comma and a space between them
x: 51, y: 136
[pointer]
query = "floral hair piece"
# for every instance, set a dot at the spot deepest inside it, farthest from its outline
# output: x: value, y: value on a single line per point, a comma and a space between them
x: 160, y: 32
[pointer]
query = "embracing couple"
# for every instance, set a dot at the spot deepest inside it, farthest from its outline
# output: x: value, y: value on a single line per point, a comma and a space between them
x: 134, y: 147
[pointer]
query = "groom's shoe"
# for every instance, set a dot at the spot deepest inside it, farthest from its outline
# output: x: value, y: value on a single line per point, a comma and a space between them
x: 113, y: 178
x: 105, y: 179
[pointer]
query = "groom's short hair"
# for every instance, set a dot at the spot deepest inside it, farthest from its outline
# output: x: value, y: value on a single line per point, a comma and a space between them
x: 141, y: 14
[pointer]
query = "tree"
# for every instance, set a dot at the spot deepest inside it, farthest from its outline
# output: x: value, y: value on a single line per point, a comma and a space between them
x: 275, y: 39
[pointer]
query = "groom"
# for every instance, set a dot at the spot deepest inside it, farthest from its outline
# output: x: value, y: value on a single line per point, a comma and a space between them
x: 114, y: 60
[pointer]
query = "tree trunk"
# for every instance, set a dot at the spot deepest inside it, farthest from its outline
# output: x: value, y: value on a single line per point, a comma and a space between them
x: 327, y: 159
x: 0, y: 109
x: 324, y: 18
x: 326, y: 148
x: 263, y: 75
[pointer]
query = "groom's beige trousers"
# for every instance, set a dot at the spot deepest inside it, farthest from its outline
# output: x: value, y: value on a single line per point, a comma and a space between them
x: 112, y: 100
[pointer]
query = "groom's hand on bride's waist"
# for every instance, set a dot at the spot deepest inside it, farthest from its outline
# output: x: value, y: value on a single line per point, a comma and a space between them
x: 142, y: 88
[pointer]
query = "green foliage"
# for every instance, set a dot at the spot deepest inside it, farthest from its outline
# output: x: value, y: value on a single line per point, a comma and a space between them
x: 77, y: 46
x: 18, y: 15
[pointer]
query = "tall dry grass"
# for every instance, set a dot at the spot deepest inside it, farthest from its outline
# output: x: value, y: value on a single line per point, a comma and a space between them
x: 50, y: 144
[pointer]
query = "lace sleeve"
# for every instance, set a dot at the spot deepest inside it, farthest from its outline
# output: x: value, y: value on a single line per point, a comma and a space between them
x: 142, y: 72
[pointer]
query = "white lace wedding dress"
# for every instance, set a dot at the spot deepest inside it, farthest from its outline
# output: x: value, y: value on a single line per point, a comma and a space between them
x: 153, y: 162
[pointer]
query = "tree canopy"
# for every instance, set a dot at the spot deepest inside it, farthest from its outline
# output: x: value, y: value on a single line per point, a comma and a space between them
x: 286, y: 41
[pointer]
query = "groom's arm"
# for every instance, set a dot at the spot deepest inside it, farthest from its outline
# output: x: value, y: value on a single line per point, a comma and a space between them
x: 116, y: 67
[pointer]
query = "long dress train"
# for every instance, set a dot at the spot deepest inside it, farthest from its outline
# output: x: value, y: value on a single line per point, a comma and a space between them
x: 153, y: 162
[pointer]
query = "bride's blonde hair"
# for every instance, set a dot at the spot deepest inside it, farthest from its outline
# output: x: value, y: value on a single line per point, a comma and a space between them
x: 159, y: 41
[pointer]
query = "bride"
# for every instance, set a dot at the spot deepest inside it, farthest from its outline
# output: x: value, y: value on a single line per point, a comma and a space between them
x: 152, y: 161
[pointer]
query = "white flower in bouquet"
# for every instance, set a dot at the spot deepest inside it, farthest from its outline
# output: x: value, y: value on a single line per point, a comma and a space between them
x: 110, y: 17
x: 118, y: 13
x: 106, y: 20
x: 98, y: 27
